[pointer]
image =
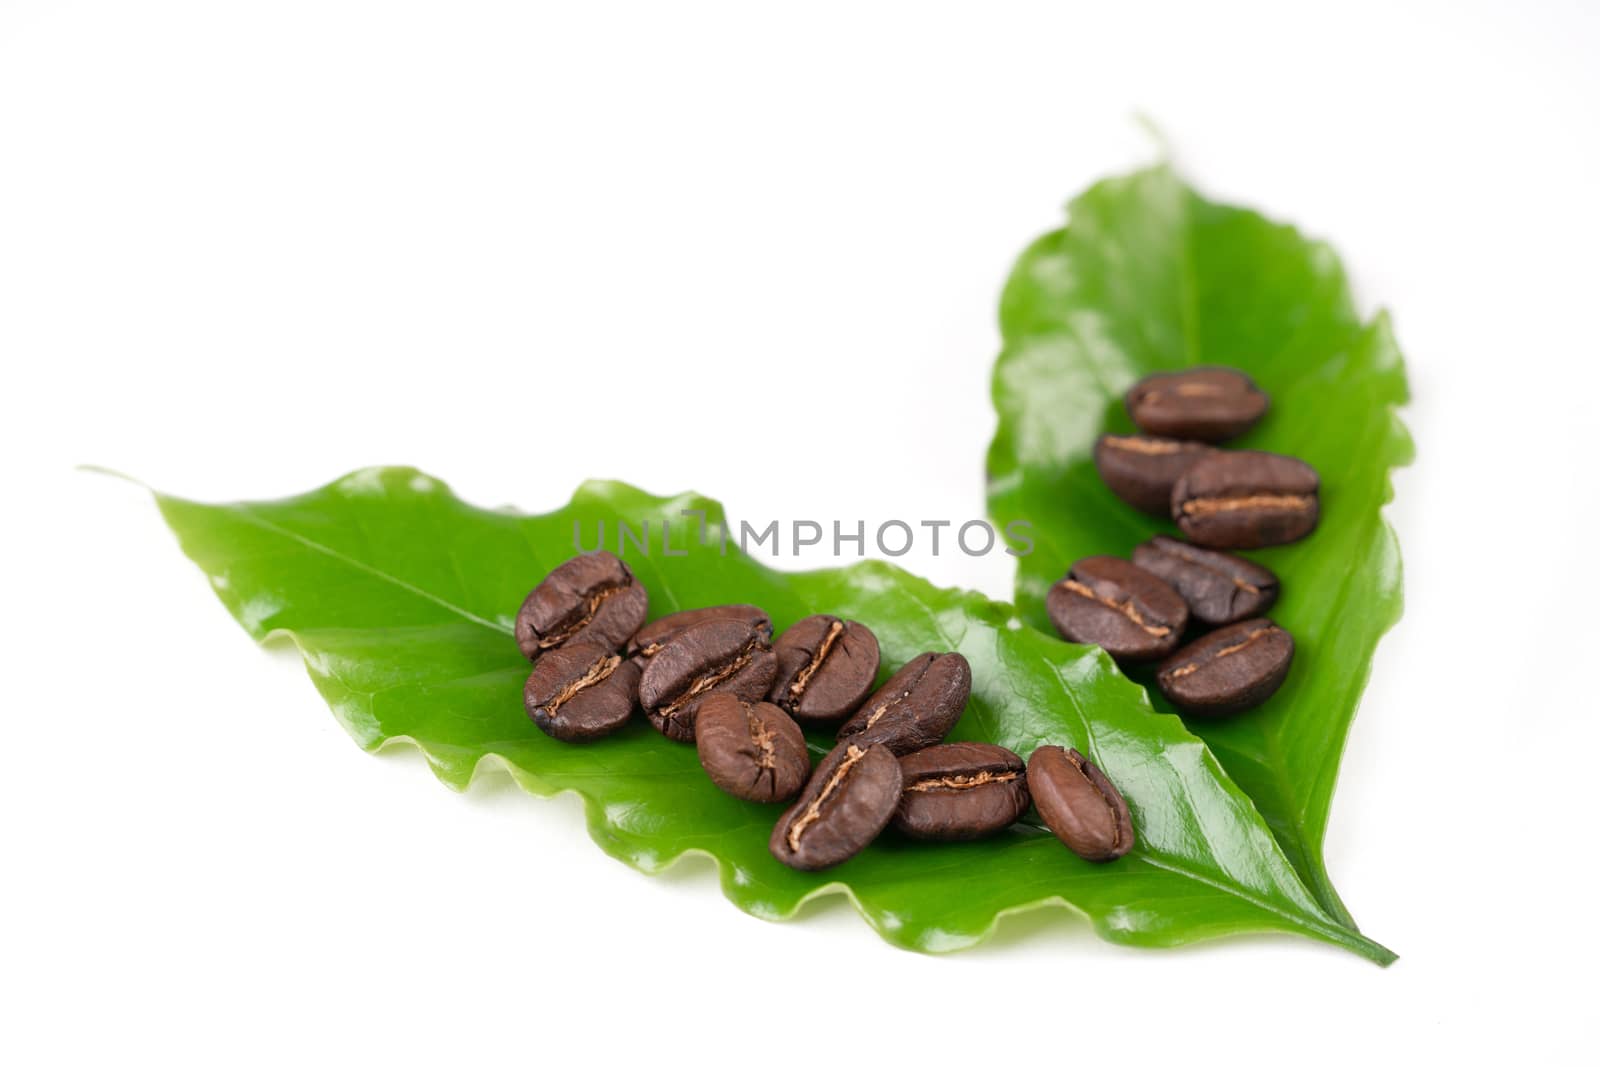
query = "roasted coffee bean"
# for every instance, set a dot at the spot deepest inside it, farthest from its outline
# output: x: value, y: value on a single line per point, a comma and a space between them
x: 721, y: 654
x: 848, y: 801
x: 960, y: 792
x: 1231, y: 670
x: 1124, y: 609
x: 652, y: 635
x: 1219, y: 587
x: 751, y: 750
x: 1143, y: 470
x: 581, y: 691
x: 826, y: 667
x: 594, y: 597
x: 1246, y: 500
x: 1081, y: 807
x: 916, y: 708
x: 1204, y: 404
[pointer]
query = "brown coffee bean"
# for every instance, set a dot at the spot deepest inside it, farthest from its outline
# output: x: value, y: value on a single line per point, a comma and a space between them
x: 1231, y: 670
x: 1219, y: 587
x: 1143, y: 470
x: 581, y: 691
x: 960, y: 792
x: 1203, y: 404
x: 848, y: 801
x: 1079, y: 804
x: 1246, y: 500
x: 916, y: 708
x: 1124, y: 609
x: 723, y: 654
x: 751, y: 750
x: 652, y: 635
x: 594, y: 597
x: 826, y: 667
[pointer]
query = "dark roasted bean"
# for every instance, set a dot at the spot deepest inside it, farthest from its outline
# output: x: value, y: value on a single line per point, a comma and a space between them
x: 1228, y: 671
x: 1126, y: 610
x: 581, y: 691
x: 960, y: 792
x: 848, y: 801
x: 1079, y: 804
x: 916, y: 708
x: 751, y: 750
x: 1219, y: 587
x: 652, y: 635
x: 1143, y: 470
x: 1246, y: 500
x: 1203, y: 404
x: 593, y: 597
x: 826, y: 667
x: 718, y: 655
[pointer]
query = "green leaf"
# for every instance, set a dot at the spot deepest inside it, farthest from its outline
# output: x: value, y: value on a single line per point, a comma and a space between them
x: 1148, y: 276
x: 401, y: 599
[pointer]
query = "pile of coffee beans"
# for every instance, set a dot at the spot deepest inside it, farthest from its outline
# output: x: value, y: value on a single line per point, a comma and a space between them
x: 715, y: 678
x: 1139, y: 611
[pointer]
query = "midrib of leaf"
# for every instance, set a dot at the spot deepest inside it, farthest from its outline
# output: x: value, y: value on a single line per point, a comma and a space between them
x: 369, y: 570
x: 1291, y: 835
x: 1330, y: 931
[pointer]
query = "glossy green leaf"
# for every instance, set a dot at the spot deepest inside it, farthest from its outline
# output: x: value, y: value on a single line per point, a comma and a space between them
x: 401, y: 599
x: 1149, y: 276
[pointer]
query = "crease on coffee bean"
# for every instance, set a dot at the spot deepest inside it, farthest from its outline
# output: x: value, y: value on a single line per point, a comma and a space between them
x: 1194, y: 389
x: 883, y: 709
x: 599, y: 672
x: 800, y: 680
x: 957, y: 782
x: 1189, y: 668
x: 813, y: 812
x: 1145, y: 446
x: 554, y: 639
x: 707, y: 682
x: 1280, y: 501
x: 1125, y: 608
x: 1081, y: 765
x: 766, y: 752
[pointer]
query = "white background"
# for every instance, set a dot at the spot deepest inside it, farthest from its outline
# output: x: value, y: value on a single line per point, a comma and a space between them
x: 247, y: 247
